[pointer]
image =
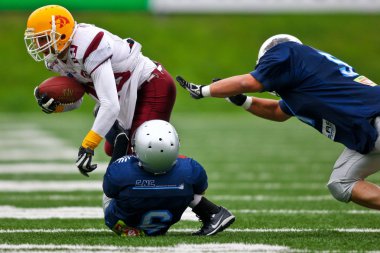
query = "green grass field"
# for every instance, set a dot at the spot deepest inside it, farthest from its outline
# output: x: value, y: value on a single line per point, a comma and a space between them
x: 271, y: 175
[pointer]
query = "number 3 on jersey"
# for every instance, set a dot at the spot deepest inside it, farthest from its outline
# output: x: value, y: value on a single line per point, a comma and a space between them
x: 344, y: 68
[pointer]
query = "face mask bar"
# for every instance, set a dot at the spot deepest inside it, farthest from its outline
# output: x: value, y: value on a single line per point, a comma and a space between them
x: 42, y: 44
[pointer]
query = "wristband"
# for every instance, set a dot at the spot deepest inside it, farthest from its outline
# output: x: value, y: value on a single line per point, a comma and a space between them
x: 247, y: 104
x: 206, y: 91
x: 91, y: 140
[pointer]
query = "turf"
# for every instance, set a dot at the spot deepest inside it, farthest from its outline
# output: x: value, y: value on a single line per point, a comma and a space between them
x: 268, y: 174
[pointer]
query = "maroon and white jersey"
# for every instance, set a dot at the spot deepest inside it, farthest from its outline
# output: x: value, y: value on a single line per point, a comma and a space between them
x: 111, y: 68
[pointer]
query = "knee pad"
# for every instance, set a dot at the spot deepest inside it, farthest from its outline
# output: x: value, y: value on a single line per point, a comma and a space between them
x: 341, y: 189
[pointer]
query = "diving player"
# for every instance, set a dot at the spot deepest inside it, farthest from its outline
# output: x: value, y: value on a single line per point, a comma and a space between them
x: 321, y: 91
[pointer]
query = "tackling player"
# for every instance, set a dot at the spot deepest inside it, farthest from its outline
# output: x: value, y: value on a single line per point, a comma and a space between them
x: 321, y: 91
x: 149, y: 192
x: 128, y: 87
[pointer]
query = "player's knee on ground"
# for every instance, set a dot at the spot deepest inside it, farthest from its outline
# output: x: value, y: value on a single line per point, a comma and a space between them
x: 341, y: 189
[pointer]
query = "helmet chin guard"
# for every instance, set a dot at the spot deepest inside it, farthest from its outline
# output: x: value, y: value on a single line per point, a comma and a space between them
x: 273, y: 41
x: 156, y: 145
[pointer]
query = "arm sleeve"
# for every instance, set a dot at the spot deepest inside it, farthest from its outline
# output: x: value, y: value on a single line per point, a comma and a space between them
x: 105, y: 86
x: 274, y: 70
x: 200, y: 178
x: 285, y: 108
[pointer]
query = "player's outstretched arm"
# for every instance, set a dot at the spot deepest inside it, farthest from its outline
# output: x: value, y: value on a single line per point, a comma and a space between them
x: 261, y: 107
x: 222, y: 88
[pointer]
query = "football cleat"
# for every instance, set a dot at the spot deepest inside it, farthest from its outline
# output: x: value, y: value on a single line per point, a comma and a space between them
x: 217, y: 223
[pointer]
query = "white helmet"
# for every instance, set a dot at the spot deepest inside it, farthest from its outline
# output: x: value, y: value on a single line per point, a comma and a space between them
x: 156, y: 145
x: 275, y: 40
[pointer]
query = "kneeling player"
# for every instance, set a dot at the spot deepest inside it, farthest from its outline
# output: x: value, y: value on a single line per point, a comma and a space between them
x: 147, y: 193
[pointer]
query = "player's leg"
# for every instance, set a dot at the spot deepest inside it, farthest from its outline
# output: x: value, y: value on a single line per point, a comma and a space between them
x: 115, y: 224
x: 214, y: 218
x: 366, y: 194
x: 121, y: 146
x: 110, y: 138
x: 347, y: 179
x: 155, y: 99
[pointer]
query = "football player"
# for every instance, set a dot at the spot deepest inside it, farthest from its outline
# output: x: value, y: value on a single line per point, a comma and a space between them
x: 129, y: 88
x: 321, y: 91
x: 147, y: 193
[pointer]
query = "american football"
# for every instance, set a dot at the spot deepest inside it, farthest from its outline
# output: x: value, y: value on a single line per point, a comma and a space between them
x: 62, y: 88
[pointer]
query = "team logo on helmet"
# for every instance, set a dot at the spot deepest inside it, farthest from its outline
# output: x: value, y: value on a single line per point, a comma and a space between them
x: 61, y: 21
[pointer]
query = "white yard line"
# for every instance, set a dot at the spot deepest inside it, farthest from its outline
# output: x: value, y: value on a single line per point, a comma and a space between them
x: 36, y: 185
x: 12, y: 212
x: 51, y: 168
x: 185, y: 248
x: 240, y: 198
x: 49, y: 186
x: 31, y: 143
x: 190, y: 230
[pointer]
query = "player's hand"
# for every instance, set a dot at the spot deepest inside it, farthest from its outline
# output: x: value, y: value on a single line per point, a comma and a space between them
x: 240, y: 100
x: 48, y: 105
x: 84, y: 161
x: 194, y: 89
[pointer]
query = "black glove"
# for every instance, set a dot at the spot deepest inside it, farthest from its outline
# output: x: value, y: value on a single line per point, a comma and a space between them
x: 84, y: 161
x: 194, y: 89
x: 237, y: 99
x: 48, y: 105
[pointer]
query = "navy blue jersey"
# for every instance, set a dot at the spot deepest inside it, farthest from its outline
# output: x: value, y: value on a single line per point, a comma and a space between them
x: 322, y: 91
x: 151, y: 202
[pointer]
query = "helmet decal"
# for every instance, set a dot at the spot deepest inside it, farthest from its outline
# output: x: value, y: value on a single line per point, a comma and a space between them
x: 60, y: 21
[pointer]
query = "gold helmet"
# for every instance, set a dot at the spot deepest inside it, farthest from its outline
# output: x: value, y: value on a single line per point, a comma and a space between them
x: 49, y: 31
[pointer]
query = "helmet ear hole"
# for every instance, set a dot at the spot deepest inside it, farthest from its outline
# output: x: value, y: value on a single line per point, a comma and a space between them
x: 63, y: 36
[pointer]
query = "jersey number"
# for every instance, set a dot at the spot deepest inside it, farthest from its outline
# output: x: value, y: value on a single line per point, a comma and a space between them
x: 344, y: 68
x: 151, y: 221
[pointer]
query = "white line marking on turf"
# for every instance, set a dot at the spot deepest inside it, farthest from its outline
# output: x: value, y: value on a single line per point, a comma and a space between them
x: 12, y: 212
x: 303, y: 211
x: 190, y: 230
x: 58, y: 186
x: 271, y: 198
x: 248, y: 198
x: 51, y: 168
x: 36, y: 185
x: 185, y: 248
x: 36, y: 144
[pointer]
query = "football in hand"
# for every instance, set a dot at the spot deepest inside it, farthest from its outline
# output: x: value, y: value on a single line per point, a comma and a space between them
x: 63, y: 89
